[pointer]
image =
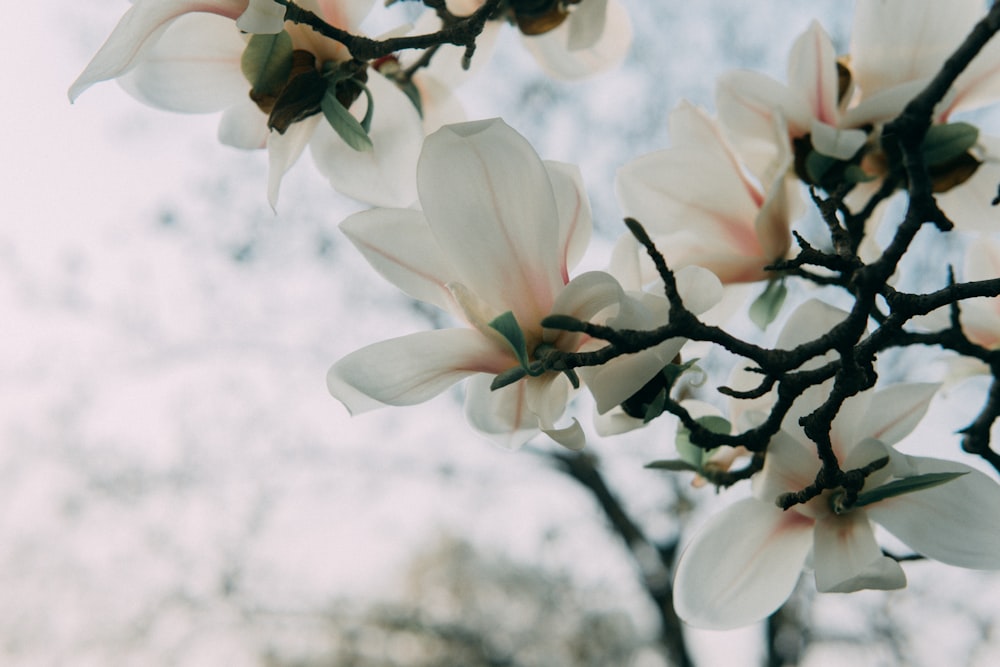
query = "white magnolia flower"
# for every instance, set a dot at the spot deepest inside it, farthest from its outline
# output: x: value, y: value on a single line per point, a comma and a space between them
x: 702, y: 206
x: 569, y: 40
x: 185, y: 55
x: 743, y: 564
x: 498, y: 231
x: 836, y: 106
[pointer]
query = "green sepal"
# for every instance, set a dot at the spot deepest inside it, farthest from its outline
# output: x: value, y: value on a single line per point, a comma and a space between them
x: 767, y: 306
x: 906, y: 485
x: 344, y: 124
x: 506, y: 325
x: 563, y: 323
x: 673, y: 371
x: 267, y: 62
x: 692, y: 453
x: 413, y: 93
x: 509, y: 376
x: 947, y: 142
x: 817, y: 165
x: 655, y: 407
x: 672, y: 464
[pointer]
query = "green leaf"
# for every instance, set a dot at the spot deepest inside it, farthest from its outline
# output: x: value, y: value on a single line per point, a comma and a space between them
x: 344, y: 124
x: 673, y: 371
x: 672, y: 464
x: 947, y: 142
x: 267, y: 62
x: 692, y: 453
x: 767, y: 306
x: 506, y: 325
x: 413, y: 93
x: 906, y: 485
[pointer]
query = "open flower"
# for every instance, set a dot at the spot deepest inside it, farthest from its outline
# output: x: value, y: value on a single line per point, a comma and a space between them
x: 498, y: 231
x: 703, y: 208
x: 743, y: 564
x: 570, y: 39
x: 834, y: 107
x: 185, y: 55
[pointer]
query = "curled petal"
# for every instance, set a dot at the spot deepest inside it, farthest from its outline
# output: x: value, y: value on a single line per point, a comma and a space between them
x: 848, y: 559
x: 138, y: 29
x: 412, y: 369
x: 699, y: 288
x: 741, y: 566
x: 571, y: 437
x: 486, y: 172
x: 836, y: 143
x: 583, y: 298
x: 956, y: 523
x: 812, y: 71
x: 399, y: 245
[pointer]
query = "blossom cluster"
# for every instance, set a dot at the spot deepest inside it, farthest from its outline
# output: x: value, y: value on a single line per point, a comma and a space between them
x: 468, y: 218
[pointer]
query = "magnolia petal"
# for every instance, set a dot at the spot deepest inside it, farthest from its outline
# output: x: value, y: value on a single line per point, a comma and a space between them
x: 194, y: 67
x: 884, y: 105
x: 440, y: 106
x: 969, y: 205
x: 835, y: 142
x: 489, y: 201
x: 244, y: 126
x: 847, y: 558
x: 571, y: 437
x: 411, y: 369
x: 615, y: 422
x: 895, y: 411
x: 979, y: 84
x: 790, y: 465
x: 502, y: 415
x: 956, y: 523
x: 699, y: 288
x: 613, y: 382
x: 138, y: 29
x: 586, y: 24
x: 399, y: 245
x: 564, y: 54
x: 382, y: 176
x: 626, y: 265
x: 546, y: 397
x: 575, y: 221
x: 895, y: 41
x: 808, y: 322
x: 747, y: 103
x: 283, y: 150
x: 741, y: 566
x: 262, y: 17
x: 812, y: 71
x: 345, y: 14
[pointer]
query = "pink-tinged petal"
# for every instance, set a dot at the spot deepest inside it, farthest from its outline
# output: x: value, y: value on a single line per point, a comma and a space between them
x: 502, y: 415
x: 895, y: 411
x: 138, y: 29
x: 399, y: 245
x: 747, y: 104
x: 790, y: 465
x: 489, y: 201
x: 774, y: 220
x: 244, y: 125
x: 812, y: 71
x: 741, y: 566
x: 847, y: 558
x: 883, y: 105
x: 382, y: 176
x: 412, y: 369
x: 555, y: 53
x: 895, y: 41
x: 956, y: 523
x: 194, y: 67
x: 575, y: 222
x: 979, y: 84
x: 283, y: 150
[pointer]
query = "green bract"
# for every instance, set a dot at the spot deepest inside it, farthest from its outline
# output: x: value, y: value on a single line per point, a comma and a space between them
x: 267, y: 62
